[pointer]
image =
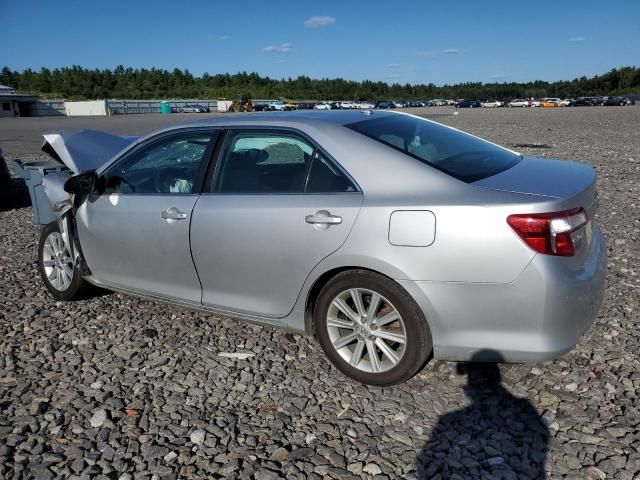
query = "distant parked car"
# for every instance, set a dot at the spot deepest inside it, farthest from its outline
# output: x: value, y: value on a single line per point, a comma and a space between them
x: 492, y: 103
x: 385, y: 104
x: 618, y: 101
x: 193, y: 109
x: 519, y: 102
x: 322, y: 106
x: 584, y: 102
x: 552, y: 102
x: 280, y: 106
x: 469, y: 104
x: 274, y: 106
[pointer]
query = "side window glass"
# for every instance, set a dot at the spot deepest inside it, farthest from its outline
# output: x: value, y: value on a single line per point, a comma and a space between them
x: 167, y: 166
x: 264, y: 163
x: 325, y: 177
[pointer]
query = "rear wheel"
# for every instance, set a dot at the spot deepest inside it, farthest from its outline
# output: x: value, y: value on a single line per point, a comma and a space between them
x: 371, y: 329
x: 63, y: 280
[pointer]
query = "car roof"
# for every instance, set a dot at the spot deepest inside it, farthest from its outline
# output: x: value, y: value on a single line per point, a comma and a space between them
x: 294, y: 119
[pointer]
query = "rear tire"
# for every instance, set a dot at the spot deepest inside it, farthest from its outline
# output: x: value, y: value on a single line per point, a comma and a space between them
x: 384, y: 340
x: 63, y: 280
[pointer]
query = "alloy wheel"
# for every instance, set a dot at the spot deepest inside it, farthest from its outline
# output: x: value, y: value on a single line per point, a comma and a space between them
x: 366, y: 330
x: 57, y: 262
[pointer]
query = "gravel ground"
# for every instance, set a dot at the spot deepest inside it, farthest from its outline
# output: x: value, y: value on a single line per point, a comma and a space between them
x: 117, y: 387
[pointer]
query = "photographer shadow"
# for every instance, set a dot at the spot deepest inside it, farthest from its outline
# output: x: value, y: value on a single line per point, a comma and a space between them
x: 497, y: 436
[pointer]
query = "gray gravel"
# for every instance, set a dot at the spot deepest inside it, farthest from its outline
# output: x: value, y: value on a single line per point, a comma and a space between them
x: 122, y: 388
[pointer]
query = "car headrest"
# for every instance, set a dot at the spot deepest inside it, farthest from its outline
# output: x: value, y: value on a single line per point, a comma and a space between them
x: 251, y: 156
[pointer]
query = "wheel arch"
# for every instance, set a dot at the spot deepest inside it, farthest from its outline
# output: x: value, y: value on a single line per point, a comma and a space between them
x: 318, y: 284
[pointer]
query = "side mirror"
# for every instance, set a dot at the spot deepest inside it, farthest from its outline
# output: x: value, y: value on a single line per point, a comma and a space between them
x: 81, y: 184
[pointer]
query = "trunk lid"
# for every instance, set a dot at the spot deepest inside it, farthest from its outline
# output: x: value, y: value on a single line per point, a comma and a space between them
x: 84, y: 150
x: 572, y: 182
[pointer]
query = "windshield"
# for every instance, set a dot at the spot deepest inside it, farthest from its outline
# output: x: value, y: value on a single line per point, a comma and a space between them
x: 458, y: 154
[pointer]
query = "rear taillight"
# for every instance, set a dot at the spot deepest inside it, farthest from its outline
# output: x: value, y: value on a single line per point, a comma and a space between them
x: 549, y: 233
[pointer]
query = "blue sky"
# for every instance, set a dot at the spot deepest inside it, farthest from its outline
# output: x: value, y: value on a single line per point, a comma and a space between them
x: 393, y: 40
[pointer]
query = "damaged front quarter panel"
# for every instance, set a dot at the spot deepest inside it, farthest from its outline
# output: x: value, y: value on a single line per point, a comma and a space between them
x: 62, y: 206
x: 82, y: 152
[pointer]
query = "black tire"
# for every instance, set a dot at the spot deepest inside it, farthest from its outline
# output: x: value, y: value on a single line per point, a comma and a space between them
x: 418, y: 346
x: 78, y: 287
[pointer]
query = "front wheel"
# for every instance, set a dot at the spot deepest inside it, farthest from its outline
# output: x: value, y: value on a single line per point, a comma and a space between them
x: 371, y: 329
x: 63, y: 280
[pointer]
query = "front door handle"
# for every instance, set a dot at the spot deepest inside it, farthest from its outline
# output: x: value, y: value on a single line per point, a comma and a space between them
x: 172, y: 213
x: 323, y: 219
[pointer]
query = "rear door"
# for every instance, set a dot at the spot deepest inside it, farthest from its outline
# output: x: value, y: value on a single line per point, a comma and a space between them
x: 135, y: 233
x: 276, y: 207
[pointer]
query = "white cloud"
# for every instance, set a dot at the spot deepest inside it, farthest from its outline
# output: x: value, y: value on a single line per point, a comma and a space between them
x: 281, y: 61
x: 577, y: 39
x: 395, y: 75
x: 498, y: 76
x: 451, y: 50
x: 393, y: 65
x: 316, y: 22
x: 422, y: 53
x: 224, y: 37
x: 282, y: 48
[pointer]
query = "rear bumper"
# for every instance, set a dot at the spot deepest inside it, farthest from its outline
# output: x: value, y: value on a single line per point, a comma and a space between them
x: 538, y: 317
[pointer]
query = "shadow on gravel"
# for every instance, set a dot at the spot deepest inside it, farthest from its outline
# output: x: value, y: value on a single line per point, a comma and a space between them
x: 497, y: 436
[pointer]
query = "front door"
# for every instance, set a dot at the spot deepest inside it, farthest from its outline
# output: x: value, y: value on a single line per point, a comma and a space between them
x: 134, y: 233
x: 278, y: 206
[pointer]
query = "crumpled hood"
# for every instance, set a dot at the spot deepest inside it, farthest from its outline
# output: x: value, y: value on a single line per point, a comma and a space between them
x: 84, y: 150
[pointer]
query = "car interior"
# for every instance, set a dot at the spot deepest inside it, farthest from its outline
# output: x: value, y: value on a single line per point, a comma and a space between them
x: 279, y: 168
x: 166, y: 168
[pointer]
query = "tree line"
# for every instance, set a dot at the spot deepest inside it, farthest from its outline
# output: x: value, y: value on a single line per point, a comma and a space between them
x: 78, y: 83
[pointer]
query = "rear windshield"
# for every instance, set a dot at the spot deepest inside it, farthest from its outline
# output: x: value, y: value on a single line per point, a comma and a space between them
x: 460, y: 155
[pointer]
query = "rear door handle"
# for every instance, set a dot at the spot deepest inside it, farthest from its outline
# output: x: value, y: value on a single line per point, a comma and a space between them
x: 323, y: 217
x: 172, y: 213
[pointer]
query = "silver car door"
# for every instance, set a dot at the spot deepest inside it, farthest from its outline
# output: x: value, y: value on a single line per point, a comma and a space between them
x: 258, y: 236
x: 134, y: 232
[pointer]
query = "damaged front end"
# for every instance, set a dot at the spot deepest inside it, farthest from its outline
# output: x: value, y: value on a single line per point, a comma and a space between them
x: 63, y: 205
x: 74, y: 155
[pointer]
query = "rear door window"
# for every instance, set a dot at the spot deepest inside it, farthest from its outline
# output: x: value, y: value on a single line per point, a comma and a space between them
x: 261, y: 162
x: 326, y: 177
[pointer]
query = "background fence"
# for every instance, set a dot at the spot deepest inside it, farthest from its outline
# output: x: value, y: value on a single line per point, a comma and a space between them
x: 44, y: 108
x: 124, y: 107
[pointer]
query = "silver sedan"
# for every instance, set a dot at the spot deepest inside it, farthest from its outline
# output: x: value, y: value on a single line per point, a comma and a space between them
x: 391, y: 238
